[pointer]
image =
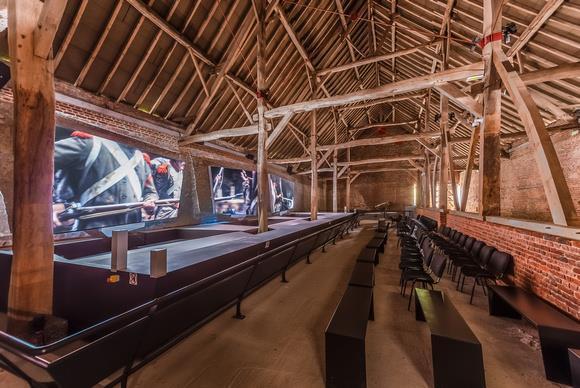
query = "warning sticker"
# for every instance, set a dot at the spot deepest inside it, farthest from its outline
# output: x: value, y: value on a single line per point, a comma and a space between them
x: 133, y: 279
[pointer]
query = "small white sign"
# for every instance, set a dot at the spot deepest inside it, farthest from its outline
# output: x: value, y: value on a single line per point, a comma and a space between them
x: 133, y: 279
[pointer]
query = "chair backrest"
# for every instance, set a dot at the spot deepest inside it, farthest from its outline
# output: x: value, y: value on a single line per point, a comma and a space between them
x: 468, y: 243
x: 446, y: 231
x: 451, y: 234
x: 437, y: 265
x: 499, y: 263
x: 457, y: 236
x: 462, y: 239
x: 484, y: 255
x: 476, y: 247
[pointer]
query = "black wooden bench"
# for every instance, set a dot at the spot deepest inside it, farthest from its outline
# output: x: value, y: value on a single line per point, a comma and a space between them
x: 363, y: 275
x: 574, y: 357
x: 345, y: 339
x: 557, y: 332
x: 368, y: 255
x: 456, y: 351
x: 376, y: 243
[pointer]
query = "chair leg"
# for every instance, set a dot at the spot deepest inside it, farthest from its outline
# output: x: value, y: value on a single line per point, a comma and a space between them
x: 473, y: 290
x: 411, y: 296
x: 463, y: 282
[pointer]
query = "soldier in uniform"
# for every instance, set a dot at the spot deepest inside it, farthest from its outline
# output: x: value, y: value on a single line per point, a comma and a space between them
x: 168, y: 178
x: 92, y: 171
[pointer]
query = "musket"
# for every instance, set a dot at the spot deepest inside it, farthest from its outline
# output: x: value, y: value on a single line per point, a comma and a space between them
x: 86, y: 212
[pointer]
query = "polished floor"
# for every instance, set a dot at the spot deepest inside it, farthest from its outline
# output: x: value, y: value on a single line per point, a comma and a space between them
x: 281, y: 341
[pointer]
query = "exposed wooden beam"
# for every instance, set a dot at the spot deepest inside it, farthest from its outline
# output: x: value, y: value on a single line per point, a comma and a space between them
x: 313, y: 162
x: 262, y: 165
x: 383, y: 125
x: 445, y: 160
x: 240, y: 101
x: 31, y: 280
x: 220, y: 134
x: 369, y: 60
x: 552, y: 177
x: 381, y: 101
x: 96, y: 50
x: 473, y: 143
x: 227, y: 61
x: 400, y: 87
x: 162, y: 24
x: 70, y: 33
x: 555, y: 73
x: 278, y: 130
x: 380, y: 140
x: 461, y: 98
x: 489, y: 145
x: 300, y: 159
x: 549, y: 8
x: 47, y: 25
x: 408, y: 158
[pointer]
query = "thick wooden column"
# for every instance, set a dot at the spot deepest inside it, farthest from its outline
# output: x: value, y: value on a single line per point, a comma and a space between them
x: 314, y: 164
x: 489, y: 149
x: 348, y: 182
x: 334, y: 168
x: 427, y: 202
x: 444, y: 171
x: 31, y: 281
x: 262, y: 167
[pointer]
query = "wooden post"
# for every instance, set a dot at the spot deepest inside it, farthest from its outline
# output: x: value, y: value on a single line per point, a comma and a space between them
x: 434, y: 183
x: 489, y: 149
x: 262, y: 167
x: 470, y: 162
x: 348, y: 182
x: 444, y: 172
x: 314, y: 164
x: 334, y: 167
x: 427, y: 202
x: 31, y: 281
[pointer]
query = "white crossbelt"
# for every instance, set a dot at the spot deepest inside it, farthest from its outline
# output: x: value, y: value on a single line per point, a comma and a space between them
x: 126, y: 169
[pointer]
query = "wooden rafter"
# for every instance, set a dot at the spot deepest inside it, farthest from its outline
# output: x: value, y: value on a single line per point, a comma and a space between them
x: 549, y: 8
x: 399, y: 87
x: 552, y: 177
x: 47, y: 25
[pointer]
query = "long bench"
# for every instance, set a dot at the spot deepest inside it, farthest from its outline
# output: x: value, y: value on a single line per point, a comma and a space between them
x: 557, y: 332
x: 125, y: 343
x: 456, y: 351
x: 345, y: 339
x: 574, y: 357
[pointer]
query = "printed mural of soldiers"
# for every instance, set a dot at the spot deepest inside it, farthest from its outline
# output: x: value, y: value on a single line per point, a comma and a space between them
x: 168, y: 179
x: 92, y: 171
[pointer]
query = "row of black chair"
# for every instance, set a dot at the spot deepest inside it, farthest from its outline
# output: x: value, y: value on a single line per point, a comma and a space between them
x: 466, y: 257
x: 471, y: 258
x: 125, y: 343
x: 420, y: 262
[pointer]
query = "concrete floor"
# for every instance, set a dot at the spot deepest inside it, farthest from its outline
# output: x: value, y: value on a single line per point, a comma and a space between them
x: 281, y: 341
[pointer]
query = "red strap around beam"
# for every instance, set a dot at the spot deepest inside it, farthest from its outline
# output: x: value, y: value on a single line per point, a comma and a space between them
x: 490, y: 38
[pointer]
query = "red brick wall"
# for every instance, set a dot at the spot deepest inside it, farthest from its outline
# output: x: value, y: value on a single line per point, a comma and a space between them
x: 547, y: 265
x: 521, y: 190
